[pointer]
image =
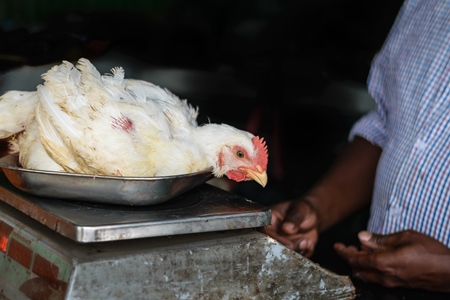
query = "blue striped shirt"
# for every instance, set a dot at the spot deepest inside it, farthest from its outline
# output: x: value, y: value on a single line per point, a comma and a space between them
x: 410, y: 82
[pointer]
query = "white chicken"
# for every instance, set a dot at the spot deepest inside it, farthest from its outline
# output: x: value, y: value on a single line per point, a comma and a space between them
x: 83, y: 122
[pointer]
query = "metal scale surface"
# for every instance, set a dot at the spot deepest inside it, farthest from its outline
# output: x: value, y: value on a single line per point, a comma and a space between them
x: 201, y: 245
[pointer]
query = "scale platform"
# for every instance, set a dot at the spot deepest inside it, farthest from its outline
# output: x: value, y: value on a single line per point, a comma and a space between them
x: 203, y: 209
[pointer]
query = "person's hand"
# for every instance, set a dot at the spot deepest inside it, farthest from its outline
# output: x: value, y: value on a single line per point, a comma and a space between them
x: 294, y: 224
x: 404, y: 259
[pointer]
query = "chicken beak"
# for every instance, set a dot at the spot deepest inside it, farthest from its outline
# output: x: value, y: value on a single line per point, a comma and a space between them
x: 258, y: 175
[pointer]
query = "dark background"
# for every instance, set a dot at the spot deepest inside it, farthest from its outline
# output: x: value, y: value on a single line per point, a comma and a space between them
x: 291, y: 71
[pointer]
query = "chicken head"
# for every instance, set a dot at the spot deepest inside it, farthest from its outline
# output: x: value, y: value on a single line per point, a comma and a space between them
x: 246, y: 164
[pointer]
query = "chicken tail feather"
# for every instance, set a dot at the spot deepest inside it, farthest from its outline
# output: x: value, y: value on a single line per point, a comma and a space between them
x: 16, y: 110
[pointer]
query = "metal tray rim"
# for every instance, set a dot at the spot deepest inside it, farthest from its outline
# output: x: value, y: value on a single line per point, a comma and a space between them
x: 122, y: 190
x: 17, y: 168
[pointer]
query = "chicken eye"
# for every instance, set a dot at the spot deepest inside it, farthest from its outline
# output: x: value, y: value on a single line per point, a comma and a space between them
x: 240, y: 154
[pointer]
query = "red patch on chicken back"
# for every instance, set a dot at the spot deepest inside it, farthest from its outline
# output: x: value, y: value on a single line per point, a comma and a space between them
x: 122, y: 123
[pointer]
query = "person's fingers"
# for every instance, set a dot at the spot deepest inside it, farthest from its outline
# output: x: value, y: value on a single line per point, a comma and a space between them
x: 364, y: 260
x: 277, y: 217
x: 357, y: 261
x: 309, y: 221
x: 345, y: 251
x: 306, y: 247
x: 374, y: 276
x: 377, y: 241
x: 299, y: 217
x: 289, y: 227
x: 294, y: 226
x: 278, y: 213
x: 354, y: 257
x: 286, y: 241
x: 369, y: 240
x: 301, y: 243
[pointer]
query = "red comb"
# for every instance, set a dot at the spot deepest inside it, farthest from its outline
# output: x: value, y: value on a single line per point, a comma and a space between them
x: 263, y: 156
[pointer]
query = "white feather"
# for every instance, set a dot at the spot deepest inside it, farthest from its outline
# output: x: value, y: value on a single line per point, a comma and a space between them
x: 59, y: 117
x: 84, y: 122
x: 16, y: 111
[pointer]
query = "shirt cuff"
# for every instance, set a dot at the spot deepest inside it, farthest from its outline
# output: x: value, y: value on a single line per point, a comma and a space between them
x: 371, y: 128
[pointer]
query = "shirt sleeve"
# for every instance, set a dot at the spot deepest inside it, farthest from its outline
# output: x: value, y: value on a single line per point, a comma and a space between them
x: 381, y: 86
x: 371, y: 128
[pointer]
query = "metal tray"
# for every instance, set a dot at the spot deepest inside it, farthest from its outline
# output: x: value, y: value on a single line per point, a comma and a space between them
x: 100, y: 189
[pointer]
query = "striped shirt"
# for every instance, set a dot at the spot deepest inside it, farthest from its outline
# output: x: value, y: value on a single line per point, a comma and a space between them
x: 410, y: 82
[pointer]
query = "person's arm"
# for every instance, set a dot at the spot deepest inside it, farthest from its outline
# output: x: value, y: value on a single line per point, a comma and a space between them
x: 343, y: 190
x: 347, y: 186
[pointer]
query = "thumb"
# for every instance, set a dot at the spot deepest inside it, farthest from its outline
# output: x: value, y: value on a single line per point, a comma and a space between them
x: 378, y: 241
x: 371, y: 240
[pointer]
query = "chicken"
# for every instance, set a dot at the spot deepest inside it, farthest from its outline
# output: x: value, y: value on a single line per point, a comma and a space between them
x: 83, y: 122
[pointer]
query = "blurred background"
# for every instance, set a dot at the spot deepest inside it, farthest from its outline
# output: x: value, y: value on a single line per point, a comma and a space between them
x: 292, y: 71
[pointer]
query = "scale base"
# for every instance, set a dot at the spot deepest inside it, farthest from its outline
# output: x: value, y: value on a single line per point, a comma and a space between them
x: 38, y: 263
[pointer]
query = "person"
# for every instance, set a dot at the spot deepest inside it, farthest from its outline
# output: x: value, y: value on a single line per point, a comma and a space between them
x: 397, y: 161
